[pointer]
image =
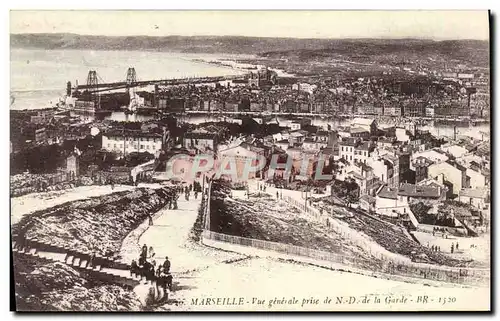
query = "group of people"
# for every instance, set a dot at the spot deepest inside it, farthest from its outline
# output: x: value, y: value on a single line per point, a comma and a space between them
x: 440, y: 230
x: 172, y: 199
x: 456, y: 247
x: 147, y: 267
x: 435, y: 248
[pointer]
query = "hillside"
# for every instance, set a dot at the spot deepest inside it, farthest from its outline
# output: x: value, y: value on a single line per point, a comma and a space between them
x: 469, y: 50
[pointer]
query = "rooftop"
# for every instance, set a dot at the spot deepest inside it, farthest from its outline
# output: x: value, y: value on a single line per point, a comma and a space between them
x: 356, y: 175
x: 130, y: 133
x: 474, y: 192
x: 422, y: 161
x: 296, y: 134
x: 412, y: 190
x: 358, y: 130
x: 350, y: 141
x: 363, y: 121
x: 388, y: 192
x: 364, y: 146
x: 456, y: 165
x: 200, y: 135
x: 367, y: 198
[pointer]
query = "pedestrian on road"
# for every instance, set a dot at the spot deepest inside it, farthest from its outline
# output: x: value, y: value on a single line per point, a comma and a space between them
x: 166, y: 265
x: 456, y: 247
x: 452, y: 247
x: 277, y: 195
x: 144, y: 251
x: 151, y: 252
x: 150, y: 219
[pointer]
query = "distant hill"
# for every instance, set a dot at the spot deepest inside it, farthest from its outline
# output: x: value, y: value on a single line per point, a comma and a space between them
x: 267, y: 47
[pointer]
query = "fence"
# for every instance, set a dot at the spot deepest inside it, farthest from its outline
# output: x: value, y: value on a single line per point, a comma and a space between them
x: 391, y: 264
x: 345, y: 231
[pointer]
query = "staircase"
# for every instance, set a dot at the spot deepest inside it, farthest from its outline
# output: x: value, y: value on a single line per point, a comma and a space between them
x: 98, y: 268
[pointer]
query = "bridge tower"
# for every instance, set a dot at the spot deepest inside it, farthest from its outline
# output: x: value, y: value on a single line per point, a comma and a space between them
x: 131, y: 77
x: 92, y: 83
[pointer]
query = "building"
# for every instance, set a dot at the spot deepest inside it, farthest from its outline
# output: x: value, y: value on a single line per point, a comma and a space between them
x: 312, y: 145
x: 283, y: 144
x: 41, y: 135
x: 414, y: 109
x: 430, y: 182
x: 401, y: 135
x: 293, y: 125
x: 359, y: 132
x: 384, y: 170
x: 477, y: 197
x: 404, y: 166
x: 263, y: 151
x: 202, y: 142
x: 432, y: 155
x: 392, y: 110
x: 475, y: 179
x: 126, y: 142
x: 296, y: 137
x: 238, y: 156
x: 420, y: 164
x: 362, y: 151
x: 456, y: 150
x: 386, y: 142
x: 449, y: 174
x: 367, y: 124
x: 42, y: 116
x: 388, y: 203
x: 367, y: 203
x: 418, y: 193
x: 347, y: 147
x: 391, y: 162
x: 363, y: 175
x: 353, y: 149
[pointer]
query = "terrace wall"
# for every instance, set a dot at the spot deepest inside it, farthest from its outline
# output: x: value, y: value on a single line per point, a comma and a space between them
x: 392, y: 267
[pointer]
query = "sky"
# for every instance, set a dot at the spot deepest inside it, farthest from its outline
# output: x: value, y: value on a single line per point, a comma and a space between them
x: 436, y: 25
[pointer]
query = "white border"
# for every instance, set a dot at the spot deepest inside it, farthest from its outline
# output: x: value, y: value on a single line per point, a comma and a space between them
x: 199, y: 4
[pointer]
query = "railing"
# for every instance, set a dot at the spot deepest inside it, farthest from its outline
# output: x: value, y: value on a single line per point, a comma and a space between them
x: 391, y: 264
x: 453, y: 275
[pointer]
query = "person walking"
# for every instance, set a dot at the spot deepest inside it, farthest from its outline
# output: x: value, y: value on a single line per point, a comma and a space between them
x: 151, y: 253
x: 144, y: 254
x: 452, y: 247
x: 150, y: 219
x: 166, y: 265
